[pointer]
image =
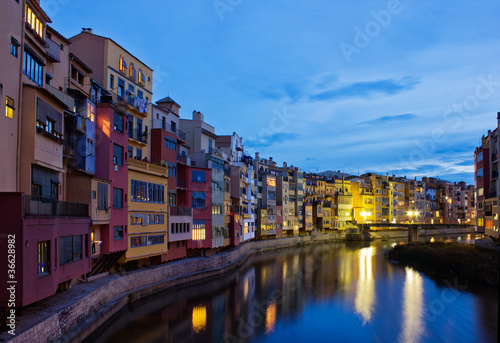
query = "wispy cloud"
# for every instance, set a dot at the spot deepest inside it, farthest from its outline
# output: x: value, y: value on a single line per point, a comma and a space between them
x: 366, y: 89
x: 390, y: 119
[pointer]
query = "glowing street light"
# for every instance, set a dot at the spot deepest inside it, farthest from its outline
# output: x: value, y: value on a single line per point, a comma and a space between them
x: 365, y: 214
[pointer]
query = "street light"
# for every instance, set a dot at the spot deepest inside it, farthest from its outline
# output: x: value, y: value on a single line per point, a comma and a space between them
x: 365, y: 214
x: 413, y: 214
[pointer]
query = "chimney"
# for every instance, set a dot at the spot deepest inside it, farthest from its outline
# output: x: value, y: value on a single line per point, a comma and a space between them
x: 198, y: 116
x: 284, y: 164
x: 257, y: 156
x: 270, y: 159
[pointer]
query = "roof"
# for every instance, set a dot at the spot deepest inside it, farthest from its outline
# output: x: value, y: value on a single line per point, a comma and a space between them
x: 73, y: 56
x: 98, y: 36
x: 58, y: 34
x: 167, y: 100
x: 42, y: 12
x: 46, y: 92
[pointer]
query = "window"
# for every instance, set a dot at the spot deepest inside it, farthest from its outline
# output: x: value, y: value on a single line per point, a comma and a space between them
x: 138, y: 153
x: 117, y: 232
x: 117, y: 198
x: 70, y: 249
x: 130, y: 151
x: 77, y: 75
x: 132, y: 73
x: 138, y: 241
x: 121, y: 89
x: 131, y: 89
x: 49, y: 125
x: 118, y: 122
x: 111, y: 81
x: 480, y: 192
x: 43, y: 254
x: 172, y: 199
x: 163, y: 123
x: 479, y: 173
x: 479, y: 157
x: 14, y: 47
x: 102, y: 196
x: 198, y: 199
x: 170, y: 143
x: 198, y: 230
x: 156, y: 239
x: 141, y: 77
x: 123, y: 64
x: 33, y: 67
x: 147, y: 192
x: 172, y: 126
x: 140, y: 95
x: 34, y: 23
x: 117, y: 154
x: 9, y: 107
x: 199, y: 176
x: 216, y: 209
x: 172, y: 169
x: 131, y: 127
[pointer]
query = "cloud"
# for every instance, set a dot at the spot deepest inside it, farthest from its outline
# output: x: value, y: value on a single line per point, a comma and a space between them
x: 390, y: 119
x: 366, y: 89
x: 268, y: 140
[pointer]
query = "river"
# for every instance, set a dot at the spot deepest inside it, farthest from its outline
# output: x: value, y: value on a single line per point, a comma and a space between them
x: 335, y: 292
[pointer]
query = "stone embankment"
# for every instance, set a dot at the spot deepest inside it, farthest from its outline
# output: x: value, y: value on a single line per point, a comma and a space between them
x: 72, y: 315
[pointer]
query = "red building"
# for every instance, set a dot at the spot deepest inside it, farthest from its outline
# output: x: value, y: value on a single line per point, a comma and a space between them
x: 111, y: 148
x: 200, y: 200
x: 166, y: 140
x: 46, y: 243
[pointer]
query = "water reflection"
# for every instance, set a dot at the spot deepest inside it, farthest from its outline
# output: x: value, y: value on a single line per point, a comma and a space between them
x: 413, y: 326
x: 365, y: 289
x: 341, y: 292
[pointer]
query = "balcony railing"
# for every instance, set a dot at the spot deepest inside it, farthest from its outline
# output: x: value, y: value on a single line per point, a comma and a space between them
x: 181, y: 183
x: 180, y: 211
x: 63, y: 97
x: 40, y: 206
x: 132, y: 100
x: 139, y: 135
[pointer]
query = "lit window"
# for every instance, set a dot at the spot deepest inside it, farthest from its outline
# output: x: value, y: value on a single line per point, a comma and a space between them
x: 34, y: 23
x: 132, y: 72
x: 43, y: 257
x: 9, y: 107
x: 123, y: 64
x: 141, y: 77
x: 49, y: 125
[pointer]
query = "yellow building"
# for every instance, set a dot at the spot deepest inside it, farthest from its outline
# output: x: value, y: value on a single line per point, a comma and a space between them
x: 381, y: 189
x: 363, y: 201
x: 343, y: 204
x: 147, y: 209
x: 397, y: 203
x: 130, y: 83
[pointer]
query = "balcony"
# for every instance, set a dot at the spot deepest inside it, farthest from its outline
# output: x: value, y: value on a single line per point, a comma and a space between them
x: 180, y: 211
x: 139, y: 136
x: 271, y: 218
x: 494, y: 174
x: 181, y: 184
x: 35, y: 206
x: 133, y: 102
x: 142, y: 165
x: 64, y: 98
x: 53, y: 51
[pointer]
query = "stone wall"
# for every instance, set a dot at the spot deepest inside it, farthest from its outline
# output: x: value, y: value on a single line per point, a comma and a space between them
x: 77, y: 320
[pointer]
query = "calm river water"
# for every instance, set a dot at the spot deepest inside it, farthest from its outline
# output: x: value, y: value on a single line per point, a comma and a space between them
x: 336, y: 292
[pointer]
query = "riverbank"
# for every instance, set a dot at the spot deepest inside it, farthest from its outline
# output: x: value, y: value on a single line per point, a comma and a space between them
x: 74, y: 314
x: 469, y: 264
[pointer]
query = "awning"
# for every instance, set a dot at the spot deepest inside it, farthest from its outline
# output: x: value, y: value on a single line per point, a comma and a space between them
x: 199, y: 195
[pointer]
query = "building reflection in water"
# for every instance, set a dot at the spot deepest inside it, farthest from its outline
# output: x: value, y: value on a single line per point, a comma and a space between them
x: 365, y: 289
x: 270, y: 318
x: 199, y: 318
x: 413, y: 326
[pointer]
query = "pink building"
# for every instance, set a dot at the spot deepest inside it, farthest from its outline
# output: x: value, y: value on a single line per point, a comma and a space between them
x: 112, y: 142
x: 200, y: 199
x: 51, y: 243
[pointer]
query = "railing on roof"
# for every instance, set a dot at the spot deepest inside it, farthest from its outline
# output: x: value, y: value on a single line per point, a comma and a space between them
x: 41, y: 206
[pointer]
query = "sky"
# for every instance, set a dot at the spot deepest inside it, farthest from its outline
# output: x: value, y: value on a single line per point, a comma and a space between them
x: 401, y: 87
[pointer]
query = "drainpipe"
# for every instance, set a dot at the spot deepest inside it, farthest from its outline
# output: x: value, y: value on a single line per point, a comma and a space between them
x: 20, y: 102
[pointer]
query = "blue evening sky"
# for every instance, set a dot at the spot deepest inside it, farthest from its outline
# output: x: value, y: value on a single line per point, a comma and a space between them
x: 404, y: 87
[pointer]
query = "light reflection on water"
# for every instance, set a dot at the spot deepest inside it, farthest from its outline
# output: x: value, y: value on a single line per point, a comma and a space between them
x: 317, y: 293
